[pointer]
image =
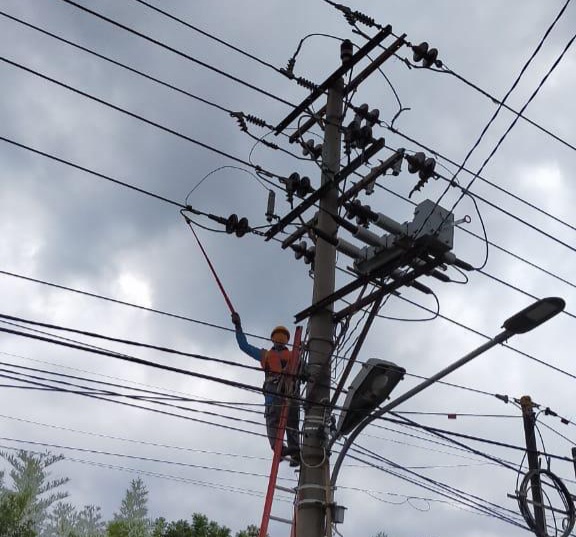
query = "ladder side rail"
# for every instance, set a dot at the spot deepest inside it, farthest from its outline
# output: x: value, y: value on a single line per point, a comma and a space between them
x: 292, y: 370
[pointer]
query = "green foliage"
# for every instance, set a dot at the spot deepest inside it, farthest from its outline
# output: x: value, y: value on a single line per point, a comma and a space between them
x: 30, y: 477
x: 159, y: 527
x: 90, y: 523
x: 132, y: 519
x: 250, y: 531
x: 13, y: 522
x: 66, y: 521
x: 200, y: 526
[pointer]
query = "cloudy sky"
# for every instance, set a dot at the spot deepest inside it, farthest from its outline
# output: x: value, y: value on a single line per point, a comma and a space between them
x: 65, y: 226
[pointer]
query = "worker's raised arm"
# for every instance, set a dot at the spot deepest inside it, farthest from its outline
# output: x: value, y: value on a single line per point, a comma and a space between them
x: 250, y: 350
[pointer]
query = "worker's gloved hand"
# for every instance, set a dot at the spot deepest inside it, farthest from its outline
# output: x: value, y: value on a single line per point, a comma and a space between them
x: 236, y: 320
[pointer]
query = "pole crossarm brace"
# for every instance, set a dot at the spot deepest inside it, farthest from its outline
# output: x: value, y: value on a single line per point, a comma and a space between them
x: 352, y: 85
x: 317, y: 194
x: 381, y: 169
x: 336, y: 75
x: 406, y: 279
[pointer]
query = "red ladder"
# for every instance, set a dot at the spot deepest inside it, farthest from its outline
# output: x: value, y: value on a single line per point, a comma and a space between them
x: 292, y: 371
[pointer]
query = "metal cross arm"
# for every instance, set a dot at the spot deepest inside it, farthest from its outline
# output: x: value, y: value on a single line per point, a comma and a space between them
x: 374, y: 173
x: 351, y: 86
x: 406, y: 279
x: 368, y: 47
x: 317, y: 194
x: 360, y: 281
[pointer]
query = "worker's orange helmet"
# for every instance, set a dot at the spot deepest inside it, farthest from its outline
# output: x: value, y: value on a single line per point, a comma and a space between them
x: 280, y: 334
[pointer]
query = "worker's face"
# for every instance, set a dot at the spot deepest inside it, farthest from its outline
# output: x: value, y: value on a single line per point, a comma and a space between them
x: 280, y: 338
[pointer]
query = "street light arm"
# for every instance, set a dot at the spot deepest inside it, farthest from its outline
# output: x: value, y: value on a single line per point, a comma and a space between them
x: 496, y: 340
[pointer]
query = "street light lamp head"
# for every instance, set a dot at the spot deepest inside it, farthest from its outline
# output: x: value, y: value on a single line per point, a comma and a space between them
x: 368, y: 390
x: 534, y: 315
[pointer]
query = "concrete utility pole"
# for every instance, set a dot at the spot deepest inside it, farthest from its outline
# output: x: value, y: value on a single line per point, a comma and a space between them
x: 532, y: 453
x: 311, y: 513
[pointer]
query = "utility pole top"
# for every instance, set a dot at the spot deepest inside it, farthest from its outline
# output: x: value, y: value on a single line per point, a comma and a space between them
x: 526, y: 403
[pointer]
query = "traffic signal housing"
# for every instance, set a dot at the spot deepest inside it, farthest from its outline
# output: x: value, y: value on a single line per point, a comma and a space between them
x: 371, y: 387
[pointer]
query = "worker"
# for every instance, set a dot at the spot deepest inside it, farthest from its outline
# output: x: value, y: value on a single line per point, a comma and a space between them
x: 274, y: 362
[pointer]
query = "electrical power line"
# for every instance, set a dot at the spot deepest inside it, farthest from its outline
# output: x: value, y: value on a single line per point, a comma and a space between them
x: 126, y: 112
x: 115, y: 62
x: 179, y: 53
x: 211, y: 36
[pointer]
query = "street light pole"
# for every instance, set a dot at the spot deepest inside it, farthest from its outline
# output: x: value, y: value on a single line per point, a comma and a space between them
x: 520, y: 323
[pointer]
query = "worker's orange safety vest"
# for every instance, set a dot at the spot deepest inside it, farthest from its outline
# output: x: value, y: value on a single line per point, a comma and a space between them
x: 274, y: 362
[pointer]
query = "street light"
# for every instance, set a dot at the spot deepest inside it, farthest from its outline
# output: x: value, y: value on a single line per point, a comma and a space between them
x: 520, y: 323
x: 368, y: 391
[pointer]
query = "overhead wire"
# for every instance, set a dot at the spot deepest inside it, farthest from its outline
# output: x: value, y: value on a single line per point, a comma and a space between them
x: 526, y: 104
x: 218, y: 151
x: 211, y: 36
x: 178, y: 52
x: 133, y: 115
x: 238, y: 115
x: 500, y: 103
x: 550, y: 236
x: 111, y: 396
x: 492, y: 184
x: 135, y: 457
x: 471, y: 500
x: 227, y: 487
x: 148, y: 393
x: 116, y: 62
x: 444, y: 69
x: 485, y: 336
x: 462, y: 167
x: 151, y: 409
x: 489, y: 441
x: 109, y: 393
x: 188, y: 319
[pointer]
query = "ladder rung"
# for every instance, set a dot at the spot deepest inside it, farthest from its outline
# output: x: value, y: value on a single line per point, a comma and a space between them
x: 280, y: 519
x: 285, y: 489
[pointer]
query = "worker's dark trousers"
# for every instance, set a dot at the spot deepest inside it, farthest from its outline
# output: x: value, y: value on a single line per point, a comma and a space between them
x: 272, y: 414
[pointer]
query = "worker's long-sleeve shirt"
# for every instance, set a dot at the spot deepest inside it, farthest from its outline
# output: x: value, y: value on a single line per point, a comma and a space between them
x: 250, y: 350
x: 253, y: 352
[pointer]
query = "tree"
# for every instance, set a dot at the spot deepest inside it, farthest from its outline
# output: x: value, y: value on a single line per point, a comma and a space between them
x: 35, y: 491
x: 62, y: 521
x: 132, y: 519
x: 90, y: 523
x: 13, y: 522
x: 199, y: 527
x: 250, y: 531
x: 159, y: 527
x: 202, y: 527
